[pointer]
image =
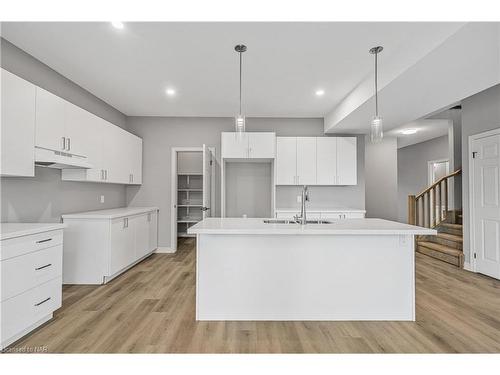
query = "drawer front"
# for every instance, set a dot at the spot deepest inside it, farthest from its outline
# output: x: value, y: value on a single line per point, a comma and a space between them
x: 27, y: 271
x: 20, y: 312
x: 26, y: 244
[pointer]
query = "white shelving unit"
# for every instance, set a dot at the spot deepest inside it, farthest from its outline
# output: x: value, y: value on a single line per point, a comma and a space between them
x: 189, y: 200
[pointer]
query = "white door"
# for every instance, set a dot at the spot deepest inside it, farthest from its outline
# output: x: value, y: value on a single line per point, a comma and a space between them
x: 486, y: 207
x: 326, y: 158
x: 286, y: 160
x: 306, y: 161
x: 50, y: 121
x: 261, y: 145
x: 122, y: 244
x: 207, y: 204
x: 234, y: 145
x: 77, y: 129
x: 346, y: 161
x: 18, y: 126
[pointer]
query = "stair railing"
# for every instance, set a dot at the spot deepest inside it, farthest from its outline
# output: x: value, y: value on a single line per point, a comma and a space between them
x: 430, y: 207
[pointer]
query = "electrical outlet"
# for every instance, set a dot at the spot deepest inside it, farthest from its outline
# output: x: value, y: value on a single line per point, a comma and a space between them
x: 102, y: 199
x: 299, y: 198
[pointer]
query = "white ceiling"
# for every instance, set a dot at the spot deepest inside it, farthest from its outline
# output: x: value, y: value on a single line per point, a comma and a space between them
x: 426, y: 130
x: 284, y: 65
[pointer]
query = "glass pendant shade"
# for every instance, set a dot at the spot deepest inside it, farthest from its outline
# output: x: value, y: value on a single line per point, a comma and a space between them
x: 239, y: 124
x: 376, y: 129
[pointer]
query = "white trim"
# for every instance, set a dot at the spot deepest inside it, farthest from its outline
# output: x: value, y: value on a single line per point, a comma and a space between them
x: 173, y: 192
x: 164, y: 250
x: 472, y: 260
x: 468, y: 267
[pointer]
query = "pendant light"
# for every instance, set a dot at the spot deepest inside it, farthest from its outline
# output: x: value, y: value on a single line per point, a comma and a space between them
x: 376, y: 127
x: 239, y: 121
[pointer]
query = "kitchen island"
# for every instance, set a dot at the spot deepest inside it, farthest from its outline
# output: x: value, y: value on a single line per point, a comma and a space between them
x: 351, y: 269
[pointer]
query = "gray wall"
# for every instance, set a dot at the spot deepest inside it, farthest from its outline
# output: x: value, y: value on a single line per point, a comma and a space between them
x: 160, y: 134
x: 381, y: 176
x: 480, y: 112
x: 45, y: 197
x: 413, y: 169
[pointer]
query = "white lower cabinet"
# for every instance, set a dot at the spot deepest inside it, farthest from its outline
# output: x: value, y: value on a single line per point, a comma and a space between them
x: 100, y: 245
x: 31, y: 283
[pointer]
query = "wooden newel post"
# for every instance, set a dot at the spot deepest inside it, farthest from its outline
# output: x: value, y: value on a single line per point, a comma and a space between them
x: 412, y: 208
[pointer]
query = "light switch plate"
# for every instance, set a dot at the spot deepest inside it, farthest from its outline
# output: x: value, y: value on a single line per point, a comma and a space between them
x: 102, y: 199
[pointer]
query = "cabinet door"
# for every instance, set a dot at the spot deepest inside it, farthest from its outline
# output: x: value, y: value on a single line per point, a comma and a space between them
x: 122, y: 244
x: 262, y: 145
x: 77, y: 130
x: 50, y: 120
x: 306, y: 160
x: 153, y: 230
x: 326, y: 160
x: 18, y: 126
x: 141, y: 227
x: 118, y: 156
x: 234, y: 145
x: 95, y: 149
x: 286, y: 160
x: 347, y: 161
x: 135, y: 160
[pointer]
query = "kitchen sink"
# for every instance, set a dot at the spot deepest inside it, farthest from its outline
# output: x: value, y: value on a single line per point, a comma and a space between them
x: 284, y: 221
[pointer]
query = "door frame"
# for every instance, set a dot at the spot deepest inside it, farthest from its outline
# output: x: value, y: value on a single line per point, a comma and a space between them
x: 472, y: 232
x: 429, y: 168
x: 173, y: 188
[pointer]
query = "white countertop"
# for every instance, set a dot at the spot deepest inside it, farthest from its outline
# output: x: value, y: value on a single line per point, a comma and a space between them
x: 111, y: 213
x: 321, y: 209
x: 339, y: 227
x: 12, y: 230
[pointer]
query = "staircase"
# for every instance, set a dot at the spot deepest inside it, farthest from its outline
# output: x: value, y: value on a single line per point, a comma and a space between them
x: 430, y: 209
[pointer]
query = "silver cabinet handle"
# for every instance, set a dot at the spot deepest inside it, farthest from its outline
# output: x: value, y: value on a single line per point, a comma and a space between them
x: 69, y: 144
x: 42, y: 267
x: 45, y: 300
x: 132, y: 175
x: 102, y: 174
x: 106, y: 174
x: 63, y: 143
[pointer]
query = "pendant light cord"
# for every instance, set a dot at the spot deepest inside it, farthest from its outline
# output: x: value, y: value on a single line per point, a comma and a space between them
x: 376, y: 85
x: 240, y: 83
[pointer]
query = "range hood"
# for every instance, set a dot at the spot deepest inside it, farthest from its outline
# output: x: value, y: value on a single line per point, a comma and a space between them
x: 59, y: 160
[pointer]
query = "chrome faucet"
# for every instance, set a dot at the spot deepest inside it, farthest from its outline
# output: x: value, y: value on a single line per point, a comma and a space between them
x: 302, y: 219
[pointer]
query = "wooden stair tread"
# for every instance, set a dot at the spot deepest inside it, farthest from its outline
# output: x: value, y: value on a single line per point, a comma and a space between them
x: 450, y: 237
x: 450, y: 225
x: 441, y: 248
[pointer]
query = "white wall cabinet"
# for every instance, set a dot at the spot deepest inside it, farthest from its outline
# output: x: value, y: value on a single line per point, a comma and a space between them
x: 18, y: 126
x: 31, y: 281
x: 316, y: 161
x: 248, y: 145
x: 100, y: 245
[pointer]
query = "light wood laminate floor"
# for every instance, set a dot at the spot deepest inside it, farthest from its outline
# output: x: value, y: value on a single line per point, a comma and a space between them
x: 151, y: 308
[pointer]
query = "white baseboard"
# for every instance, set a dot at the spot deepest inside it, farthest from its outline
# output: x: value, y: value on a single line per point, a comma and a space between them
x: 468, y: 267
x: 164, y: 250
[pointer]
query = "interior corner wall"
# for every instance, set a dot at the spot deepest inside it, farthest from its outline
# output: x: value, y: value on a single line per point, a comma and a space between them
x: 480, y: 113
x: 413, y: 169
x: 381, y: 179
x: 45, y: 197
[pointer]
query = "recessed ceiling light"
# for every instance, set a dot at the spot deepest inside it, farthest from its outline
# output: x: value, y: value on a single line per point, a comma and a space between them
x: 320, y: 92
x: 408, y: 131
x: 118, y: 25
x: 170, y: 92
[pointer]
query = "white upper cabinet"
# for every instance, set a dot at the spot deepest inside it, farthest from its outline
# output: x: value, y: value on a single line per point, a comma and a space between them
x: 50, y: 121
x: 234, y: 146
x: 261, y: 145
x: 347, y: 161
x: 78, y: 138
x: 306, y: 161
x: 18, y: 126
x: 247, y: 145
x: 326, y: 158
x: 286, y: 160
x: 316, y: 161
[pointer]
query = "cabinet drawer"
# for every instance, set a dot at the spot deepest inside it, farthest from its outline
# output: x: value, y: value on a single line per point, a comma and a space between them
x: 26, y: 244
x: 22, y: 311
x: 24, y: 272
